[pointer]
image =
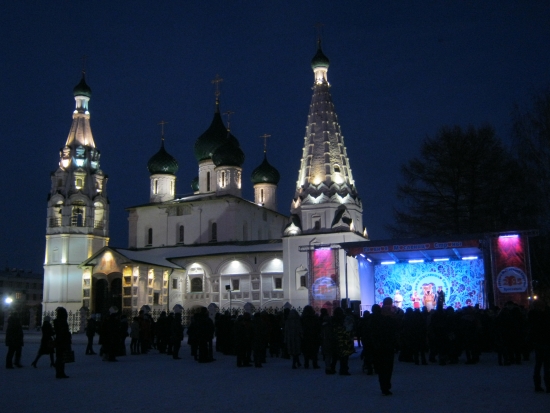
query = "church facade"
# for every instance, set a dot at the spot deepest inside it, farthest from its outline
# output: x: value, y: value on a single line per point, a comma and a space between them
x: 212, y: 248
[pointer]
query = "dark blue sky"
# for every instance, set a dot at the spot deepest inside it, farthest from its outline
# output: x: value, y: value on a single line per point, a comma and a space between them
x: 399, y: 71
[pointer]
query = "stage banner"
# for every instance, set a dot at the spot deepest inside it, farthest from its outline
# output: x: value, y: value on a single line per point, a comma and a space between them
x: 510, y: 269
x: 324, y: 280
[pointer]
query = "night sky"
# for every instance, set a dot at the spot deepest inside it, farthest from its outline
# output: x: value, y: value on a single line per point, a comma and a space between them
x: 399, y: 71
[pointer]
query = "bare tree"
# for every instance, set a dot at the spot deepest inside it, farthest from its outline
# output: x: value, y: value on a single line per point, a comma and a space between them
x: 464, y: 181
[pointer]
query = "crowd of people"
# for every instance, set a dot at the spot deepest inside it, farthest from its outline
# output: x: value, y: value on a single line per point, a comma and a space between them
x: 419, y: 336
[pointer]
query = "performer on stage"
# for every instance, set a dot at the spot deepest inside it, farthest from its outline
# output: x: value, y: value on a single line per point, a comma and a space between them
x: 398, y: 299
x: 415, y: 300
x: 440, y: 296
x: 429, y: 300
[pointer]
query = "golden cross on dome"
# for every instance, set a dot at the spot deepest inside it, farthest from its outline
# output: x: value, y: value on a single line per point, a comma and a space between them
x: 217, y: 80
x: 264, y: 137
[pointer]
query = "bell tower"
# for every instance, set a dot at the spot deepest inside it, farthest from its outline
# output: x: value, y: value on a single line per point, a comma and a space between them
x: 77, y: 223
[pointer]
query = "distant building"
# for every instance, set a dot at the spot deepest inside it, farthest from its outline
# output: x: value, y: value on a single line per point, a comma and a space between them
x: 20, y: 290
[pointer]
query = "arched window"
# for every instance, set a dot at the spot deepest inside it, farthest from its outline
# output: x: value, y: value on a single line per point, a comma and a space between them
x: 155, y: 186
x: 223, y: 179
x: 181, y: 234
x: 196, y: 285
x: 77, y: 220
x: 150, y: 236
x: 214, y: 237
x: 78, y: 183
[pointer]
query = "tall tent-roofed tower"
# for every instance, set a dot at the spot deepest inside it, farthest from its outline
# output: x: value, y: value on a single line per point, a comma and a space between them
x: 326, y: 199
x: 326, y: 209
x: 77, y: 214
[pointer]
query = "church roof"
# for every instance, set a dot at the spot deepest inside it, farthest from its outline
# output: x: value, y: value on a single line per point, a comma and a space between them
x: 265, y: 173
x: 319, y: 60
x: 162, y: 162
x: 164, y: 256
x: 325, y: 170
x: 212, y: 138
x: 229, y: 153
x: 82, y: 89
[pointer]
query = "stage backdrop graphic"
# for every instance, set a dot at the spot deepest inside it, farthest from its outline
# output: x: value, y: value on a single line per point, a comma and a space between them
x: 511, y: 272
x: 324, y: 279
x: 462, y: 281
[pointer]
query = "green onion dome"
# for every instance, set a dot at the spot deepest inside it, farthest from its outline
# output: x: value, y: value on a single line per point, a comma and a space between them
x: 319, y: 60
x: 265, y: 173
x: 82, y: 89
x: 214, y: 136
x: 195, y: 184
x: 228, y: 153
x: 162, y: 162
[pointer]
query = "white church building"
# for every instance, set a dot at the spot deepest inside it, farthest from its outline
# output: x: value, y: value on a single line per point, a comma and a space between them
x: 212, y: 248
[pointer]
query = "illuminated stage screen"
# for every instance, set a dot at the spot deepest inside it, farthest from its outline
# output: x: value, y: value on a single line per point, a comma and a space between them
x: 462, y: 281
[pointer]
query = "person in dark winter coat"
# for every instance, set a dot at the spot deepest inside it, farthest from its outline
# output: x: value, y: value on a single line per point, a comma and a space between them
x: 259, y: 341
x: 63, y: 342
x: 91, y: 327
x: 46, y: 343
x: 134, y: 335
x: 343, y: 342
x: 244, y: 334
x: 14, y: 341
x: 328, y: 344
x: 110, y: 335
x: 176, y: 335
x: 293, y: 337
x: 162, y: 329
x: 384, y: 338
x: 311, y: 327
x: 539, y: 335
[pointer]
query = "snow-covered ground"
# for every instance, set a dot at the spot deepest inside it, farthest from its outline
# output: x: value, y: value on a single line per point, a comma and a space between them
x: 157, y: 383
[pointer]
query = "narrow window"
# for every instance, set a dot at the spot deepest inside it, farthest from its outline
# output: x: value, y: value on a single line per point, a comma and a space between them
x: 223, y: 179
x: 303, y: 281
x: 79, y: 183
x: 336, y: 169
x: 150, y: 236
x: 262, y: 196
x: 171, y: 187
x: 175, y: 283
x: 317, y: 225
x: 208, y: 182
x: 156, y: 186
x: 278, y: 283
x: 214, y: 232
x: 235, y: 285
x: 180, y: 234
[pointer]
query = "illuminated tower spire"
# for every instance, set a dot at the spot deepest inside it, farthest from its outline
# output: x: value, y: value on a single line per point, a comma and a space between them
x: 326, y: 199
x: 78, y: 211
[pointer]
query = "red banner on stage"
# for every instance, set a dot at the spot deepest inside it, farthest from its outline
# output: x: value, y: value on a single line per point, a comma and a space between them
x: 510, y: 269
